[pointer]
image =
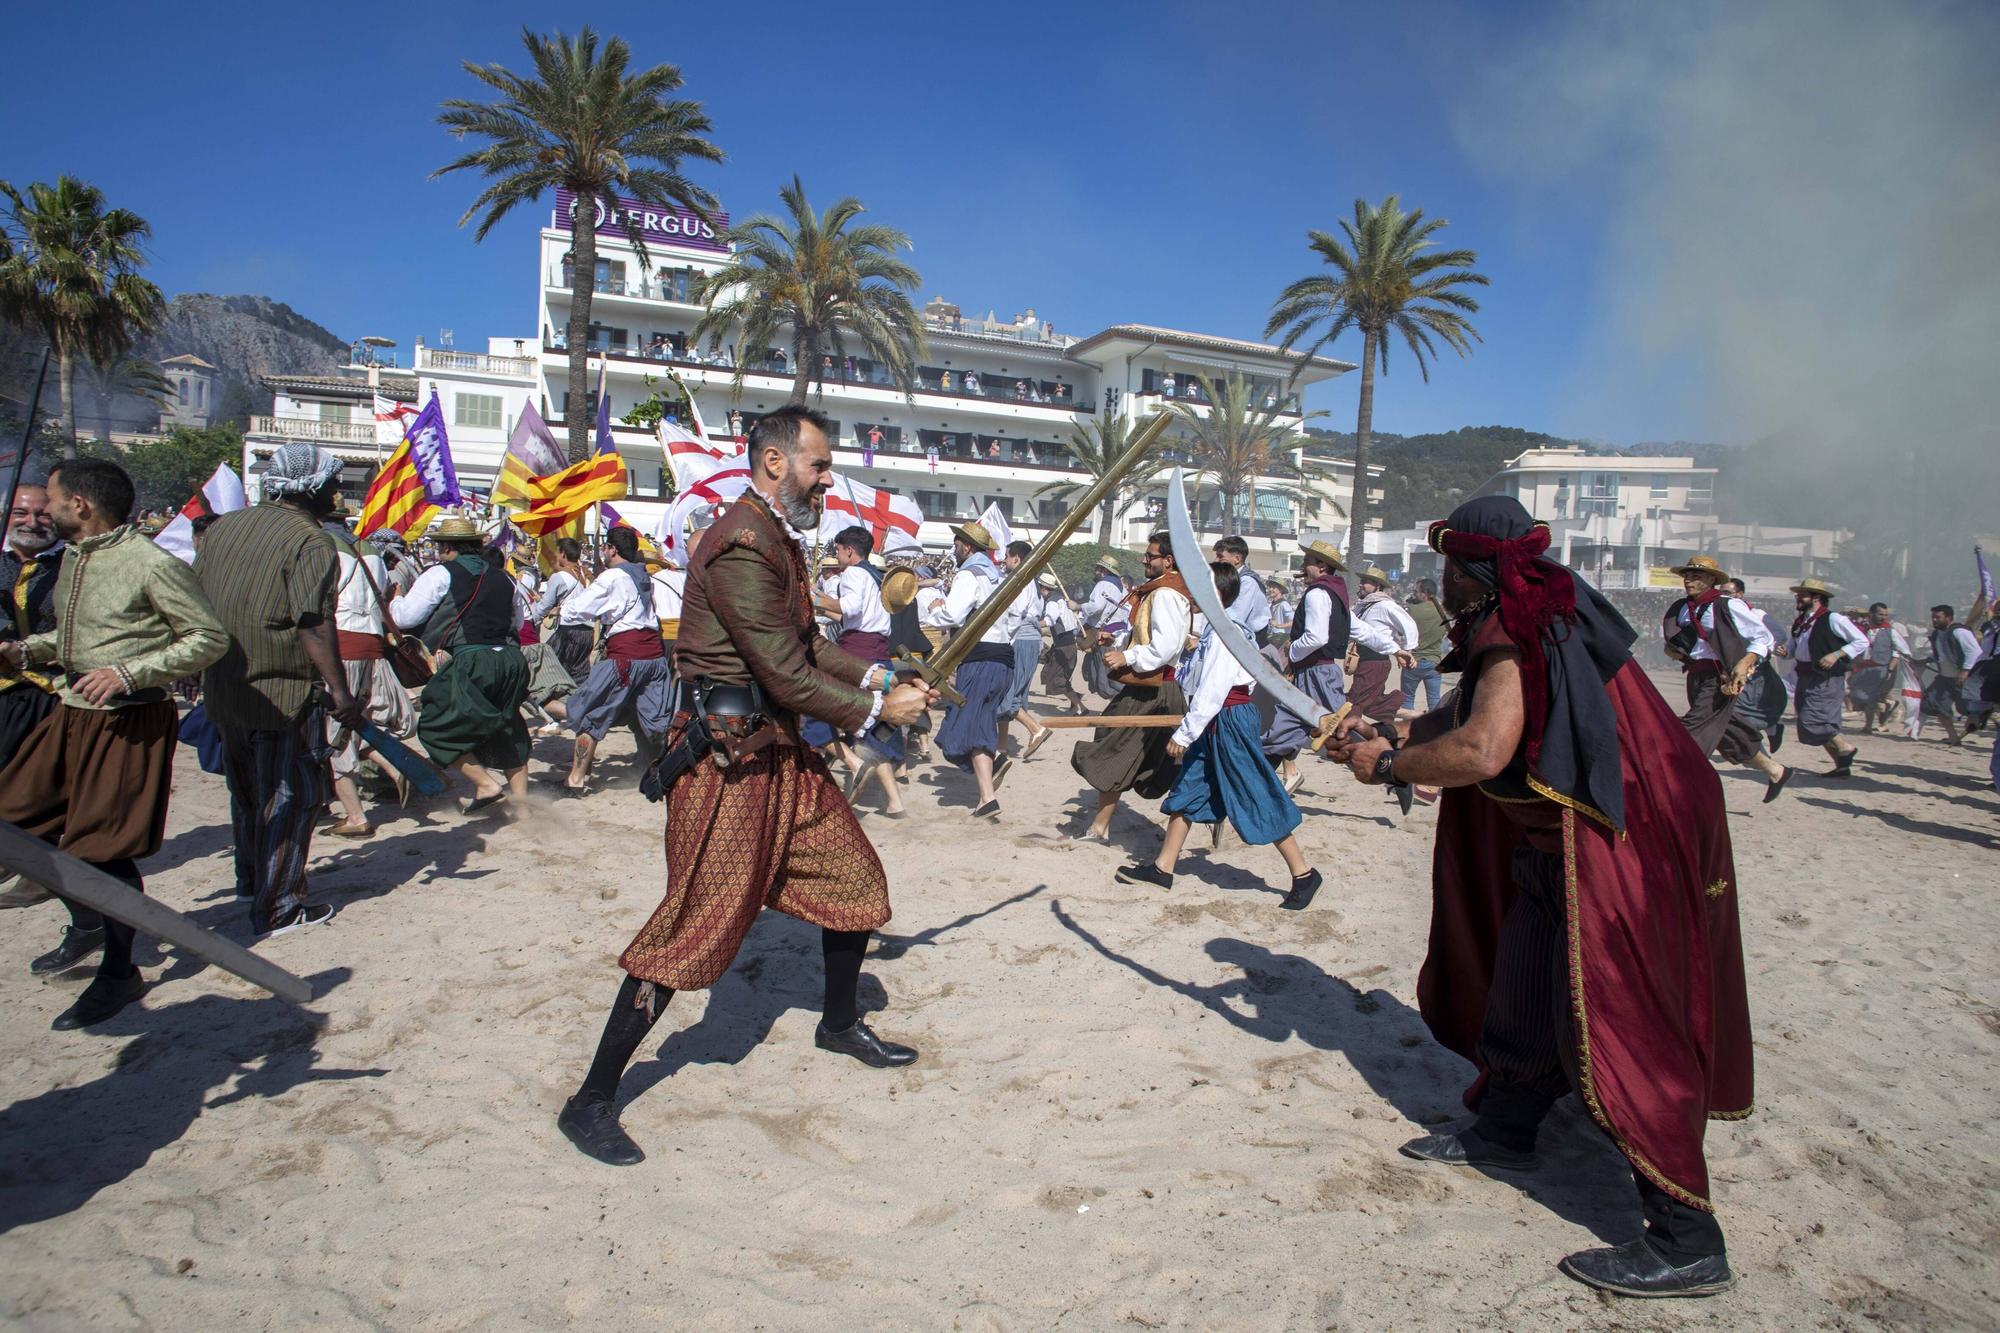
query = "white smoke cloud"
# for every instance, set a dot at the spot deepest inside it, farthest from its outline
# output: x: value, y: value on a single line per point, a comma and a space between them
x: 1805, y: 205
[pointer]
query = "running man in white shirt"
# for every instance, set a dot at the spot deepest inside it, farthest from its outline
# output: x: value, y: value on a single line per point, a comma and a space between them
x: 970, y: 733
x: 1825, y: 646
x: 633, y: 682
x: 1719, y: 642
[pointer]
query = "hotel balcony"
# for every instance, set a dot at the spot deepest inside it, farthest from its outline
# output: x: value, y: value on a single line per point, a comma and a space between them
x: 475, y: 363
x: 1190, y: 396
x: 312, y: 428
x: 1035, y: 405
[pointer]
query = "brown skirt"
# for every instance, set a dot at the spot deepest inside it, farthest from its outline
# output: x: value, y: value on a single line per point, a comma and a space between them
x: 772, y: 832
x: 94, y: 782
x: 1133, y: 758
x: 1369, y: 696
x: 1711, y: 719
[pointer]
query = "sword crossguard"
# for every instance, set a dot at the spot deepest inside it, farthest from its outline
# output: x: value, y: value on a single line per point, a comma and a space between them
x: 904, y: 664
x: 1328, y: 725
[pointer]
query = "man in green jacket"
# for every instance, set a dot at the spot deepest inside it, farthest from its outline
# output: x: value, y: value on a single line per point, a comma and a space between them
x: 94, y: 776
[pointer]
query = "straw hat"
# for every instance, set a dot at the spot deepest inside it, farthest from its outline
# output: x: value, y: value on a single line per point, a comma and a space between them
x: 1107, y: 562
x: 1048, y: 580
x: 457, y: 528
x: 1324, y: 550
x: 1373, y: 574
x: 1702, y: 564
x: 899, y: 589
x: 976, y: 534
x: 1813, y: 586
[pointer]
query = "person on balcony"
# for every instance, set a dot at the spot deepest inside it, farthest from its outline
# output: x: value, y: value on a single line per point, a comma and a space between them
x: 1167, y: 385
x: 972, y: 384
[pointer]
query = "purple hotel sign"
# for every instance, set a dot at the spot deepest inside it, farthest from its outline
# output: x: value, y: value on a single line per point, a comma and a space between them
x: 654, y: 226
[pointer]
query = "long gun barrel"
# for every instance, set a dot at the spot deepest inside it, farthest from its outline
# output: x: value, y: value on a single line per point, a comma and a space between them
x: 937, y: 669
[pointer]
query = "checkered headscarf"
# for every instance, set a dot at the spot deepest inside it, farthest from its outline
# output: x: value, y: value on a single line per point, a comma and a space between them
x: 299, y: 469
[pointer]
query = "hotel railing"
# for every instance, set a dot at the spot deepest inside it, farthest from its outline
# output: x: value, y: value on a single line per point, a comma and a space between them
x: 444, y: 358
x: 312, y: 428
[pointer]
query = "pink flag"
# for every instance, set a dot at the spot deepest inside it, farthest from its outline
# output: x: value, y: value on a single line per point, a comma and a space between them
x: 220, y: 494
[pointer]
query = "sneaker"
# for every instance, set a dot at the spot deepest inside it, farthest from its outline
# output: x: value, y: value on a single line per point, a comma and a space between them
x: 1144, y: 872
x: 76, y: 946
x: 312, y: 914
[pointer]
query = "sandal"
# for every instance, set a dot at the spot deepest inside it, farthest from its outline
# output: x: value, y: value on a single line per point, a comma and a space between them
x: 346, y: 830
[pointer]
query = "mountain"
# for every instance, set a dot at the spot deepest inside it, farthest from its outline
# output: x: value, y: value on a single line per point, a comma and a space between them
x: 1426, y: 476
x: 243, y: 337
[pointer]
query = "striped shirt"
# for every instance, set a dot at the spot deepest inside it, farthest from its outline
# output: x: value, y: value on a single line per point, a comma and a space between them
x: 267, y: 570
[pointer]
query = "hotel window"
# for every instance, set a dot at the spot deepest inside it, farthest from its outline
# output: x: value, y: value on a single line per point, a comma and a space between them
x: 1659, y: 486
x: 645, y: 477
x: 938, y: 504
x: 477, y: 409
x: 341, y: 412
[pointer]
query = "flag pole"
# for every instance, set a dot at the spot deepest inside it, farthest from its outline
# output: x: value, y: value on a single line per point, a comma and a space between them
x: 21, y: 456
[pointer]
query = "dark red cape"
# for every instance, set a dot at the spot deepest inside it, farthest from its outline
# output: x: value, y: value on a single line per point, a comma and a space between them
x: 1655, y: 953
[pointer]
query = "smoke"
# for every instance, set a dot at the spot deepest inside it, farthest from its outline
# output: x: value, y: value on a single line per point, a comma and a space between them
x: 1804, y: 197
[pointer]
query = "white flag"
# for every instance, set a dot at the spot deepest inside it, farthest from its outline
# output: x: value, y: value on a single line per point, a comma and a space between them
x: 221, y: 494
x: 997, y: 528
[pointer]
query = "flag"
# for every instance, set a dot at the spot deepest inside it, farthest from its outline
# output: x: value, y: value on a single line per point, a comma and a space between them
x: 416, y: 481
x: 391, y: 417
x: 221, y: 494
x: 717, y: 488
x: 996, y: 526
x: 614, y: 519
x: 532, y: 454
x: 1984, y: 604
x: 570, y: 492
x: 690, y: 458
x: 849, y: 502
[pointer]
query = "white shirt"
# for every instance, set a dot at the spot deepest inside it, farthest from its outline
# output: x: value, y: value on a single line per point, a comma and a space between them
x: 1169, y: 614
x: 1853, y: 643
x: 557, y: 593
x: 969, y: 592
x: 1748, y: 623
x: 861, y: 606
x: 1316, y: 610
x: 930, y: 608
x: 1060, y: 615
x: 414, y: 607
x: 1252, y: 607
x: 1897, y: 645
x: 613, y: 599
x: 669, y: 590
x: 1024, y: 618
x: 1218, y: 673
x: 1382, y: 626
x: 1101, y: 607
x: 354, y: 606
x: 1968, y: 647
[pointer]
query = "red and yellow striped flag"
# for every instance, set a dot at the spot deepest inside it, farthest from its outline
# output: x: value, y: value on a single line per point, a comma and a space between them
x: 396, y: 499
x: 570, y: 492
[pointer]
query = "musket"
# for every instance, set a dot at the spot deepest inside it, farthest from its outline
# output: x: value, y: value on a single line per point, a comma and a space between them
x: 936, y: 670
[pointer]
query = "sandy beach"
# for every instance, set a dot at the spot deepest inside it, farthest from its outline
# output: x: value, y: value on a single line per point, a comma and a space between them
x: 1138, y: 1109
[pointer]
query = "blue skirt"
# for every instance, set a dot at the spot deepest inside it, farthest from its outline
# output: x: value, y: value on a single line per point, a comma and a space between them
x: 1284, y: 734
x: 1027, y: 656
x: 1224, y: 775
x: 973, y: 725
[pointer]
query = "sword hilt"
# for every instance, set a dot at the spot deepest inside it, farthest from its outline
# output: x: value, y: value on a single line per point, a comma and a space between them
x: 1328, y: 725
x: 904, y: 664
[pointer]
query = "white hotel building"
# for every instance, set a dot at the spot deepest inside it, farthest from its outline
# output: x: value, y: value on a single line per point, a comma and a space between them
x: 989, y: 423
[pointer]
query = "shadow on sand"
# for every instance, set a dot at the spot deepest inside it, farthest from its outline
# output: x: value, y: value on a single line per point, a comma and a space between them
x: 1278, y: 996
x: 59, y: 1149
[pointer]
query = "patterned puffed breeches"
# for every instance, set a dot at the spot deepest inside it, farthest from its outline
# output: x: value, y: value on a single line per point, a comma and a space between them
x: 773, y: 831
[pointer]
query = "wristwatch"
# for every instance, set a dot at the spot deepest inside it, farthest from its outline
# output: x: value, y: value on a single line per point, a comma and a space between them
x: 1385, y: 768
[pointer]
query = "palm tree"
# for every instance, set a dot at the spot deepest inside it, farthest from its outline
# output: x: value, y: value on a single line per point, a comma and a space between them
x: 833, y: 283
x: 123, y: 377
x: 1386, y: 279
x: 69, y: 271
x: 1096, y: 446
x: 1234, y: 441
x: 582, y: 123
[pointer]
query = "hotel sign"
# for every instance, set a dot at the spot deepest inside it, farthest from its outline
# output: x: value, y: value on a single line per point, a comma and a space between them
x: 650, y: 224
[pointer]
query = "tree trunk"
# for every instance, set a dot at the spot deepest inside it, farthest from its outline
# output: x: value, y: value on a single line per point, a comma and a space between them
x: 66, y: 392
x: 577, y: 416
x: 1364, y: 428
x: 804, y: 353
x: 1228, y: 511
x: 1105, y: 512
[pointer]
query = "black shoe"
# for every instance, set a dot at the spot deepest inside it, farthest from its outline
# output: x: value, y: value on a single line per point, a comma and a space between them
x: 856, y: 1040
x: 592, y: 1125
x: 76, y: 946
x: 102, y: 998
x: 1468, y: 1148
x: 1843, y: 767
x: 1637, y: 1269
x: 1777, y: 785
x: 1776, y: 736
x: 312, y: 914
x: 1144, y: 872
x: 1303, y: 889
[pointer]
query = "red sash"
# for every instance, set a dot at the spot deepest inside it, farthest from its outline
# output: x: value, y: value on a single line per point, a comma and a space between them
x: 633, y: 645
x: 359, y: 647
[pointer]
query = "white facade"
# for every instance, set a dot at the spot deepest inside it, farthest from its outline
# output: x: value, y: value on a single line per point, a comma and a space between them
x: 955, y: 444
x: 1569, y: 482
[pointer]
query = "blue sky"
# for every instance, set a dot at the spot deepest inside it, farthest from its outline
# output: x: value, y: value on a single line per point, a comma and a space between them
x: 1154, y: 163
